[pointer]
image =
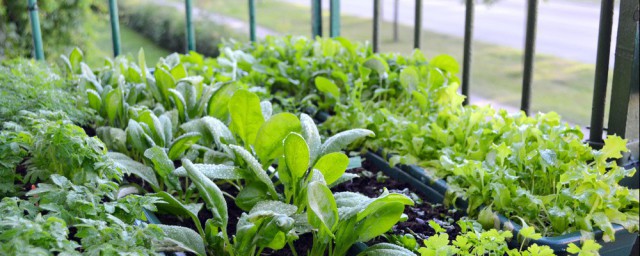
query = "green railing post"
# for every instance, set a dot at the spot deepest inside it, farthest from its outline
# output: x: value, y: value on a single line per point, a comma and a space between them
x: 376, y: 25
x: 316, y: 18
x: 252, y: 20
x: 115, y: 27
x: 334, y: 13
x: 191, y: 35
x: 468, y: 39
x: 624, y: 108
x: 529, y: 54
x: 601, y: 73
x: 417, y: 26
x: 35, y: 29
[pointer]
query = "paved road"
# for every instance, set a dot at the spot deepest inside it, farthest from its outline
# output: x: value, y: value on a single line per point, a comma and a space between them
x: 565, y: 29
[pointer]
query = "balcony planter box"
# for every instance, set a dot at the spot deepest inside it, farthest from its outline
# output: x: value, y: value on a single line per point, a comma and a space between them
x: 621, y: 246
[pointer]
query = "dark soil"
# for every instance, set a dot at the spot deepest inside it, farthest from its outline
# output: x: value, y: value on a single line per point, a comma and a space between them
x: 371, y: 183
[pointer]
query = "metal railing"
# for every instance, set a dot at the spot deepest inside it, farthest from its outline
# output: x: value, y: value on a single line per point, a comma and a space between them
x: 623, y: 118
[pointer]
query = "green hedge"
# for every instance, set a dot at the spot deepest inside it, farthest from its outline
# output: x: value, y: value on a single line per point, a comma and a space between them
x: 61, y: 22
x: 166, y: 27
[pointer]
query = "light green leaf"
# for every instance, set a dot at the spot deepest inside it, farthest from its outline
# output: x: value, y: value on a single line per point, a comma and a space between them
x: 130, y: 166
x: 210, y: 194
x: 311, y: 136
x: 164, y: 82
x: 296, y: 153
x: 184, y: 238
x: 322, y: 211
x: 386, y: 249
x: 446, y: 63
x: 379, y: 221
x: 181, y: 144
x: 180, y: 103
x: 95, y: 102
x: 613, y: 146
x: 214, y: 171
x: 342, y: 139
x: 218, y: 106
x: 269, y: 142
x: 409, y: 78
x: 113, y: 101
x: 161, y: 162
x: 274, y: 206
x: 246, y: 115
x: 332, y: 166
x: 136, y: 136
x: 327, y: 86
x: 256, y: 169
x: 155, y: 126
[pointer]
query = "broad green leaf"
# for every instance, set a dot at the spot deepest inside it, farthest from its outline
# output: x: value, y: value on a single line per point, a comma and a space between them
x: 114, y: 138
x: 251, y: 194
x: 130, y: 166
x: 210, y: 194
x: 344, y: 178
x: 184, y: 238
x: 327, y: 86
x: 446, y: 63
x: 214, y: 171
x: 296, y: 153
x: 136, y: 136
x: 164, y: 82
x: 421, y: 99
x: 155, y: 126
x: 167, y: 126
x: 174, y: 207
x: 409, y: 78
x: 342, y: 139
x: 274, y: 206
x: 246, y: 115
x: 378, y: 64
x: 382, y: 202
x: 161, y: 162
x: 332, y: 166
x: 75, y: 58
x: 95, y: 102
x: 181, y: 144
x: 220, y: 132
x: 380, y: 221
x: 178, y: 72
x: 311, y: 136
x: 256, y: 169
x: 180, y: 103
x: 218, y: 106
x: 269, y: 141
x: 113, y: 104
x: 386, y: 249
x: 322, y: 211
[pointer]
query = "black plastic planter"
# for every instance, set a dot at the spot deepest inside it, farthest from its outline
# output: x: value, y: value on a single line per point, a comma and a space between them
x: 622, y: 246
x: 415, y: 175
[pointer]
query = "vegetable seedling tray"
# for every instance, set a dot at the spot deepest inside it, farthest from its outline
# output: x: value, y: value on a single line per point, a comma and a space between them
x: 622, y: 245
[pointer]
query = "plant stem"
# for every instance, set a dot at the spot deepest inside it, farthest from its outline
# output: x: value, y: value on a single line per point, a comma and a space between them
x: 293, y: 248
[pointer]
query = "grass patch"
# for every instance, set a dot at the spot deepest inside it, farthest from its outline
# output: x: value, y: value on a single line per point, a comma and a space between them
x: 130, y: 42
x: 559, y: 85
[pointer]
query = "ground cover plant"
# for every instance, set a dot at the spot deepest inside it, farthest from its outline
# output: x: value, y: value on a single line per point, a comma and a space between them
x: 223, y: 151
